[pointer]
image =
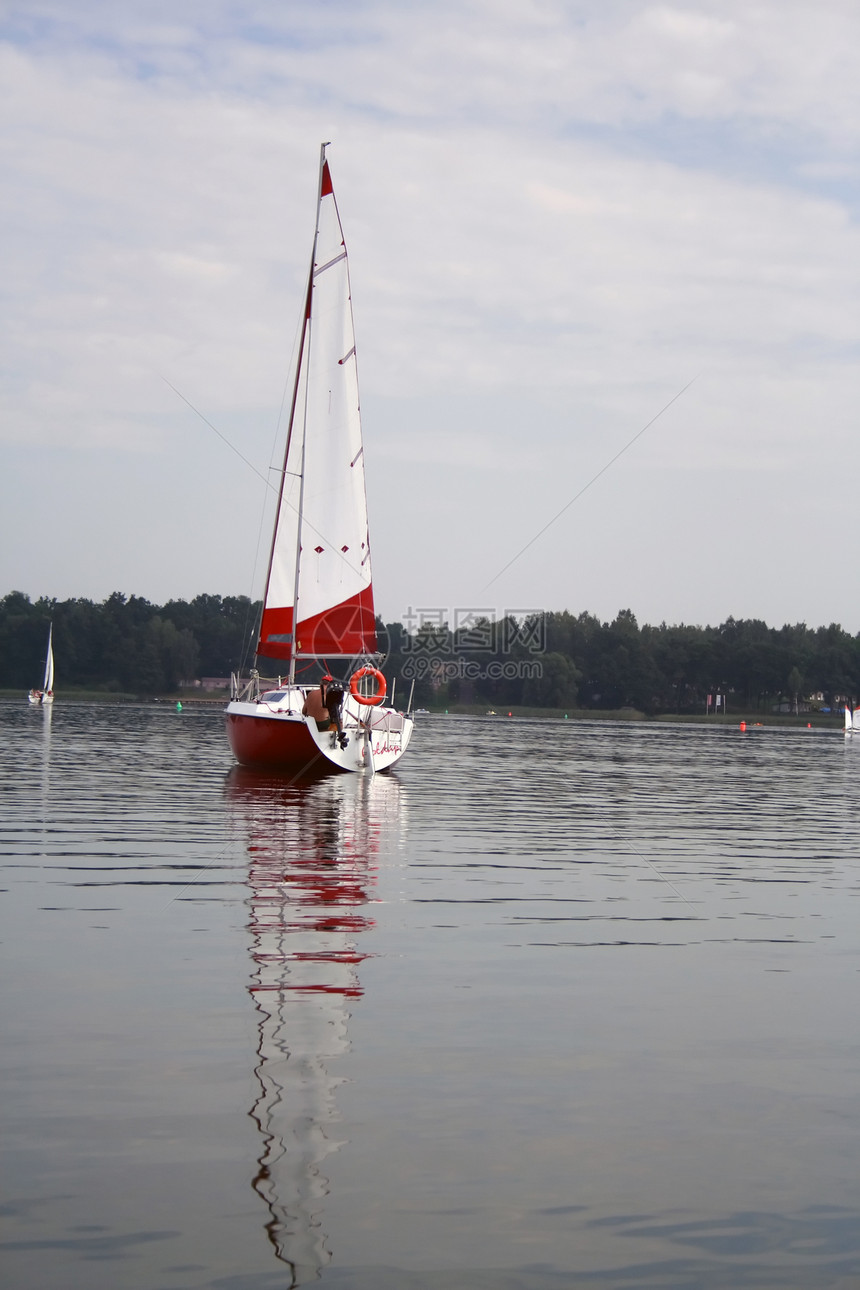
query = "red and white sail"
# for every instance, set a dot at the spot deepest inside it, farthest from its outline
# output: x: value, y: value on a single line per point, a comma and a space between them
x: 319, y: 595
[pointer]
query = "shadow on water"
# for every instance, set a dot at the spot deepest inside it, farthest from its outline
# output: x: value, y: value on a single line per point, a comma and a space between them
x: 312, y: 847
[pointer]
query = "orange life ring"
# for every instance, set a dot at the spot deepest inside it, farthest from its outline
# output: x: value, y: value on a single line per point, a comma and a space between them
x: 369, y: 700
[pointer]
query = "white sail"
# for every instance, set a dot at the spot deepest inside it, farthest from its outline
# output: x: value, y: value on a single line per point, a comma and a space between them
x: 318, y: 604
x: 49, y: 663
x: 46, y: 694
x: 319, y: 575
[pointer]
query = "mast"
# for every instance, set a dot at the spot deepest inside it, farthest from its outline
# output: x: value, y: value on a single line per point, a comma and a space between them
x: 319, y: 585
x: 308, y: 334
x: 304, y: 342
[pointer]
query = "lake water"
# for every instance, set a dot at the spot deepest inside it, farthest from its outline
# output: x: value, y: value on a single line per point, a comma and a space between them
x: 552, y: 1005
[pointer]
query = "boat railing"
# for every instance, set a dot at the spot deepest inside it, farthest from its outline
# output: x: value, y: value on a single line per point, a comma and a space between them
x: 245, y: 691
x: 251, y: 689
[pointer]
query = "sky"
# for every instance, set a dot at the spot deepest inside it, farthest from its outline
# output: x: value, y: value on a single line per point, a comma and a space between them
x: 567, y: 220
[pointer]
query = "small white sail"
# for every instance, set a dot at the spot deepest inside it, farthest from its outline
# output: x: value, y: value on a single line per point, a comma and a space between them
x: 48, y: 687
x: 46, y: 694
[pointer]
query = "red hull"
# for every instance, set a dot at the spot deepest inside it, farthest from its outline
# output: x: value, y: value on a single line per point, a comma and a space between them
x: 260, y: 741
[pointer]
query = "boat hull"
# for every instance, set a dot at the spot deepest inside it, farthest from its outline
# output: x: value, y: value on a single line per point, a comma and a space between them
x: 273, y: 733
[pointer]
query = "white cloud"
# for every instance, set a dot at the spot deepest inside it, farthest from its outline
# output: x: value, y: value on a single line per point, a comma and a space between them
x: 558, y: 214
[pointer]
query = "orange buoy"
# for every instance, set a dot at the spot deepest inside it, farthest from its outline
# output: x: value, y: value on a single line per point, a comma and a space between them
x: 743, y: 725
x: 369, y: 700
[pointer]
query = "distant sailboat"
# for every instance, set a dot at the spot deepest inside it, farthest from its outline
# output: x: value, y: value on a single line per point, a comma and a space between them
x: 46, y: 694
x: 318, y: 607
x: 852, y: 721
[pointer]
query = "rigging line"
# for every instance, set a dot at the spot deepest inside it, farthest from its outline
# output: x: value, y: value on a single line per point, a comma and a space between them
x: 267, y: 482
x: 204, y: 869
x: 222, y: 437
x: 585, y: 487
x: 276, y: 439
x: 627, y: 843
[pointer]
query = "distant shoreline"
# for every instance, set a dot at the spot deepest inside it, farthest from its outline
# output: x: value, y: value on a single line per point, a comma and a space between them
x: 820, y: 720
x: 817, y: 720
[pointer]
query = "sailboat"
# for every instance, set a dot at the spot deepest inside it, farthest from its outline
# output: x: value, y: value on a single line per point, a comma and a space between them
x: 46, y: 694
x: 852, y: 721
x: 318, y: 613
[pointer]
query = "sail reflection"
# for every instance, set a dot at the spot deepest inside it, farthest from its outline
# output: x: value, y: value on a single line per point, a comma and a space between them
x: 47, y: 712
x: 313, y: 851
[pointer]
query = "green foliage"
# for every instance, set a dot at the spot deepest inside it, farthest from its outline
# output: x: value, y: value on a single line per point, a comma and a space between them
x: 557, y: 685
x: 608, y: 666
x: 124, y: 644
x: 551, y: 660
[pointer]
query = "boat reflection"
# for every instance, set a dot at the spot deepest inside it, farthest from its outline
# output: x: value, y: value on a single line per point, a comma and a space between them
x: 313, y: 850
x: 45, y: 776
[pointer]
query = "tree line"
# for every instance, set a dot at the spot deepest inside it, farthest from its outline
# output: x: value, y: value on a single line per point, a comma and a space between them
x: 550, y: 660
x: 125, y: 644
x: 563, y: 660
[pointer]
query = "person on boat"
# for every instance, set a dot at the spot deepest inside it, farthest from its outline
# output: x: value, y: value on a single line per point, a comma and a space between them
x: 315, y: 708
x: 333, y: 695
x: 323, y: 706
